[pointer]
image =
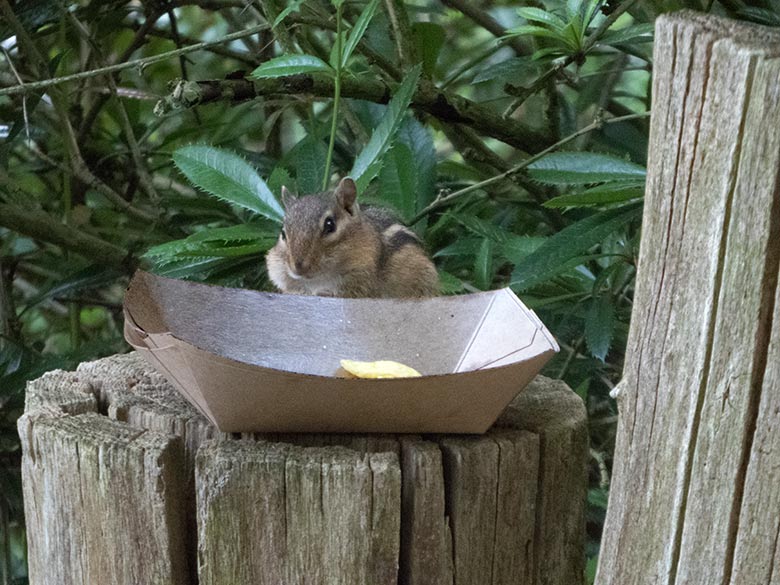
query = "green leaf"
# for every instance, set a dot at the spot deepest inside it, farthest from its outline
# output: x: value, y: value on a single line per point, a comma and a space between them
x: 245, y: 232
x: 229, y: 177
x: 90, y: 277
x: 518, y: 247
x: 460, y: 247
x: 429, y: 38
x: 639, y: 33
x: 547, y: 52
x: 536, y: 31
x: 589, y: 12
x: 483, y: 265
x: 449, y: 283
x: 333, y: 59
x: 481, y: 227
x: 357, y: 31
x: 514, y: 71
x: 292, y: 6
x: 280, y: 177
x: 603, y: 195
x: 577, y: 168
x: 291, y: 65
x: 308, y: 156
x: 369, y: 161
x: 532, y: 14
x: 760, y: 15
x: 419, y: 139
x: 568, y: 245
x: 195, y: 267
x: 239, y: 240
x: 398, y: 180
x: 600, y: 326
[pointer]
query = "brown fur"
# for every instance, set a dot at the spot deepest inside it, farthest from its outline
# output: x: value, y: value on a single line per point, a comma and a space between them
x: 369, y: 254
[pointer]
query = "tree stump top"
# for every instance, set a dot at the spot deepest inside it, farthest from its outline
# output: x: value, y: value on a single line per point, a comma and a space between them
x: 181, y: 502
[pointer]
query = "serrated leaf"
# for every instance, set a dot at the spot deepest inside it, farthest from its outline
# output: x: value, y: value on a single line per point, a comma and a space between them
x: 569, y: 244
x: 578, y: 168
x: 598, y: 196
x: 600, y: 326
x: 309, y: 159
x: 280, y: 177
x: 291, y: 65
x: 239, y: 240
x: 518, y: 247
x: 483, y: 265
x: 369, y: 161
x: 357, y: 31
x: 212, y: 250
x: 398, y: 180
x: 419, y: 140
x: 229, y: 177
x: 532, y: 14
x: 429, y: 38
x: 237, y: 233
x: 193, y: 267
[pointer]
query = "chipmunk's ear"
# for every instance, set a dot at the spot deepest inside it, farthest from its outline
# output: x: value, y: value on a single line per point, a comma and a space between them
x: 287, y: 197
x: 346, y: 193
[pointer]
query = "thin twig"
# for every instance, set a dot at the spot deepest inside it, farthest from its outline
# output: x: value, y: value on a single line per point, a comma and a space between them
x: 402, y: 31
x: 138, y: 40
x: 127, y: 126
x: 40, y: 226
x: 24, y: 98
x: 597, y: 124
x: 136, y: 63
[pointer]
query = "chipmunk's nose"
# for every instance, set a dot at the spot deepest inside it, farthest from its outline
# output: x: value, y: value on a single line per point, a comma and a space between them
x: 301, y: 266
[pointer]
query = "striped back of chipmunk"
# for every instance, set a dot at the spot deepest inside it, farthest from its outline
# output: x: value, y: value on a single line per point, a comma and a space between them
x: 395, y: 235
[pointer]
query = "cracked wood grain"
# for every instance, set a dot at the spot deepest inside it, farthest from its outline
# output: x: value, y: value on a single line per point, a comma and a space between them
x: 699, y: 345
x: 187, y: 505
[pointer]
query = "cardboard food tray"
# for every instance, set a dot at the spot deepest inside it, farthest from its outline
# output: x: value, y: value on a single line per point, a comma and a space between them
x: 255, y: 361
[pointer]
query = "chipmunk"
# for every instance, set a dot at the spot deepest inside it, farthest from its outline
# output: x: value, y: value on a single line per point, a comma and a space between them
x: 329, y: 246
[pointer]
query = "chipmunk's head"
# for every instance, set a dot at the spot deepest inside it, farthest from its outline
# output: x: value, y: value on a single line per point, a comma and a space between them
x: 315, y: 228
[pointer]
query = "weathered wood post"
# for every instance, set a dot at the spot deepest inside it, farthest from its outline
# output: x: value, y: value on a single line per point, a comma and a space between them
x: 695, y: 496
x: 125, y: 484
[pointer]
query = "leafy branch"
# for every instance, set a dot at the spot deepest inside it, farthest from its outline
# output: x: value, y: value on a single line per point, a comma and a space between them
x: 445, y: 106
x: 443, y: 200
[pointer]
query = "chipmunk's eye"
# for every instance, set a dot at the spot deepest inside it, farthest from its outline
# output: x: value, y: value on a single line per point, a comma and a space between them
x: 284, y: 235
x: 329, y: 226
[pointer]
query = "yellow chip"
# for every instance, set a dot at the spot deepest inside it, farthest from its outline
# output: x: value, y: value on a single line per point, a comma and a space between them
x: 380, y: 369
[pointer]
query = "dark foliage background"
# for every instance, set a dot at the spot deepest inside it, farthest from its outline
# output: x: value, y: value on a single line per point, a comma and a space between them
x: 158, y: 133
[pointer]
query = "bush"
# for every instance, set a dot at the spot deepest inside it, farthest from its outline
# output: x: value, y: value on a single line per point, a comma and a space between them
x: 159, y: 134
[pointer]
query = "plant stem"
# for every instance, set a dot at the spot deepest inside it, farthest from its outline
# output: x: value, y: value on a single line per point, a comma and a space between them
x: 336, y: 100
x: 74, y: 318
x: 597, y: 124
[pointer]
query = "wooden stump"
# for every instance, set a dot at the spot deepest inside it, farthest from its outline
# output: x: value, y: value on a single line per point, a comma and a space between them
x: 695, y: 496
x: 126, y: 483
